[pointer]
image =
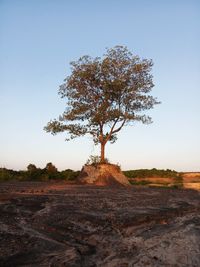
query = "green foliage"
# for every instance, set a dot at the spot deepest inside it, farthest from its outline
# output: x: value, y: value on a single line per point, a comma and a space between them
x: 6, y: 175
x: 176, y: 182
x: 68, y: 175
x: 31, y: 168
x: 33, y: 173
x: 142, y: 182
x: 177, y: 186
x: 145, y: 173
x: 95, y: 160
x: 105, y: 94
x: 51, y: 170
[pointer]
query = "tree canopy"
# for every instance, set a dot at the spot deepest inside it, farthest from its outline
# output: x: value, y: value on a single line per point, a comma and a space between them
x: 105, y: 94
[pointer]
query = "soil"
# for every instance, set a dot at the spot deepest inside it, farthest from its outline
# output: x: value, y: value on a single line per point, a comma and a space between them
x: 191, y: 180
x: 60, y: 224
x: 103, y: 174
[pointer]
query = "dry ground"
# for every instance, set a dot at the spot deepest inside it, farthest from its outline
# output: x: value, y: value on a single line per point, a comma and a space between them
x: 57, y: 224
x: 191, y: 180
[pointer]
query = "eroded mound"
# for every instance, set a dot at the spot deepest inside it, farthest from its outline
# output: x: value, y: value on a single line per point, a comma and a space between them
x: 103, y: 174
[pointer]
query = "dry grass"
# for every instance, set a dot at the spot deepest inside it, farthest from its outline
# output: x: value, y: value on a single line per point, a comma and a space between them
x: 191, y: 180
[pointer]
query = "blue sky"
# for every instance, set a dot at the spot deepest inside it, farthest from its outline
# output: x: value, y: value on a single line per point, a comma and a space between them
x: 39, y: 38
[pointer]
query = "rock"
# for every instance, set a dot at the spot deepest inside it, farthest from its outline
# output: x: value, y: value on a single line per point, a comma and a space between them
x: 102, y: 174
x: 85, y: 226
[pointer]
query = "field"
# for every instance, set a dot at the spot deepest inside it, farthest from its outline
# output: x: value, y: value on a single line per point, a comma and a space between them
x: 62, y: 224
x: 188, y: 180
x: 191, y: 180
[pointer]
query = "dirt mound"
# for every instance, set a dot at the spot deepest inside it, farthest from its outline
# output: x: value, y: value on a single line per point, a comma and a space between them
x: 103, y: 174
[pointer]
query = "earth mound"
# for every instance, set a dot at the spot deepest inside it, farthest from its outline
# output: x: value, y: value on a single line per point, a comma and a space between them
x: 103, y: 174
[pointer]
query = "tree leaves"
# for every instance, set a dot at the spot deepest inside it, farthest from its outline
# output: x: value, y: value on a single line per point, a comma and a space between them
x: 105, y: 94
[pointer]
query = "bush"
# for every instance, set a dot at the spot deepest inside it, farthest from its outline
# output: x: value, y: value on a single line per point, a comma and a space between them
x: 95, y: 160
x: 145, y: 173
x: 68, y: 175
x: 33, y: 173
x: 11, y: 175
x: 177, y: 179
x: 142, y: 182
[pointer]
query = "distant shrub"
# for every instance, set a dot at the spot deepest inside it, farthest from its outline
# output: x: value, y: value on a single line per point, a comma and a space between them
x: 11, y: 175
x: 177, y: 186
x: 177, y: 179
x: 33, y: 173
x: 142, y: 182
x: 51, y: 170
x: 31, y: 167
x: 68, y: 175
x: 5, y: 174
x: 145, y: 173
x: 95, y: 160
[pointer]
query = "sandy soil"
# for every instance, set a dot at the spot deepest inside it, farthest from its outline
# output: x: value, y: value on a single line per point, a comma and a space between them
x: 191, y: 175
x: 56, y: 224
x: 191, y: 180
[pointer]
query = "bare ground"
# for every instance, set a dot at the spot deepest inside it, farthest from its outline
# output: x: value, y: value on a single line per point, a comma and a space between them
x: 57, y: 224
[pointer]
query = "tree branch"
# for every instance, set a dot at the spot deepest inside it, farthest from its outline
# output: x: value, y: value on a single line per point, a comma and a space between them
x: 118, y: 129
x: 111, y: 130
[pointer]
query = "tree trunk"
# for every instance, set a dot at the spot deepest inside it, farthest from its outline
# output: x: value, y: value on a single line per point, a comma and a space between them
x: 102, y: 152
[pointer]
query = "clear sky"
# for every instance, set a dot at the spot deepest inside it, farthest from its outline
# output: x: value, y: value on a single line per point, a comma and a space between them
x: 39, y: 38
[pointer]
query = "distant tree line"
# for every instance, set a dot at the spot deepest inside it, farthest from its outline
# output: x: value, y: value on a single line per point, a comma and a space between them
x: 145, y: 173
x: 137, y: 177
x: 50, y: 172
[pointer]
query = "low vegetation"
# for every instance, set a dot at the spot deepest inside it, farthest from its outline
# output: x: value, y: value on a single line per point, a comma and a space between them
x: 33, y: 173
x: 95, y: 160
x: 142, y: 177
x: 145, y: 173
x: 155, y: 177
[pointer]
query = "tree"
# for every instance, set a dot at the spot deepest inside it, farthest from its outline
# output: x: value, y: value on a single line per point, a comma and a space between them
x: 33, y: 172
x: 31, y: 168
x: 105, y: 94
x: 51, y: 168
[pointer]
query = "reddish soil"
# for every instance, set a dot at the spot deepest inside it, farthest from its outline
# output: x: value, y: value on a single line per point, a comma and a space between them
x: 58, y: 224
